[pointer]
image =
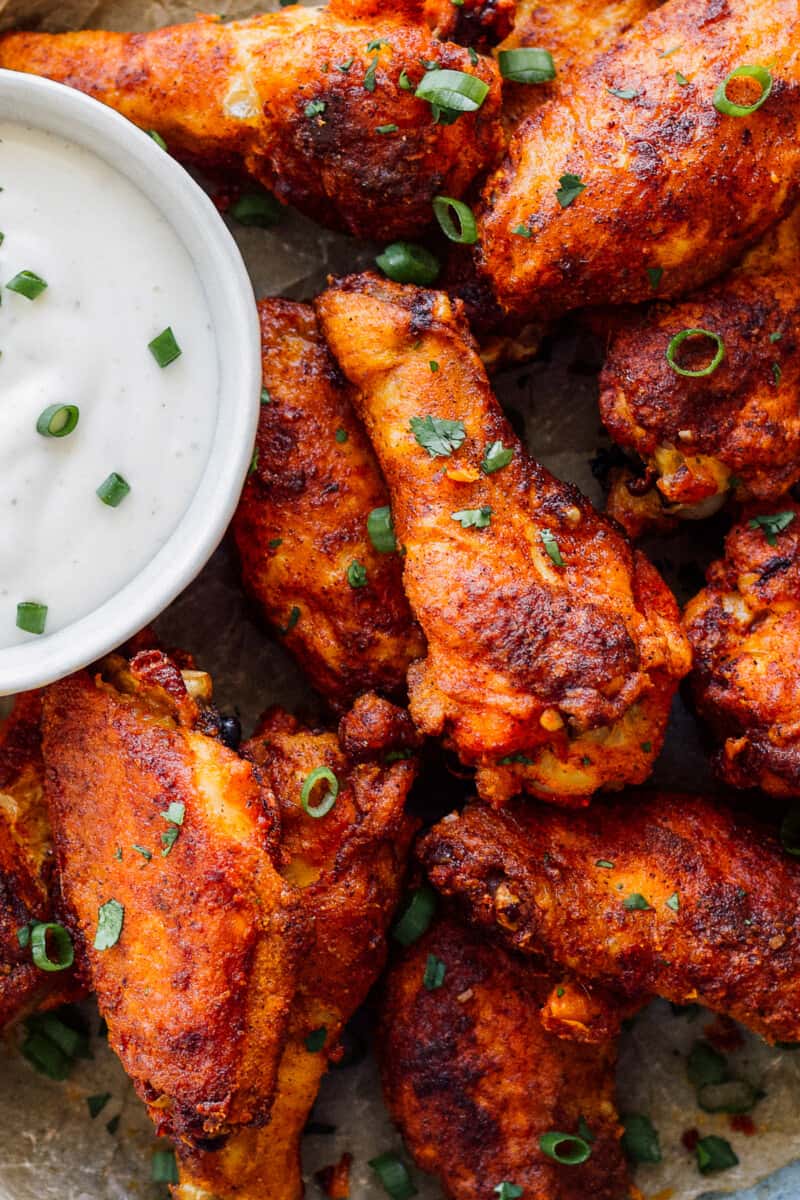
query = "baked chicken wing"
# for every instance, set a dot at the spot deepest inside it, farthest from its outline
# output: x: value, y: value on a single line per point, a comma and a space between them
x: 670, y: 895
x: 738, y: 427
x: 301, y: 527
x: 599, y: 188
x: 554, y: 649
x: 165, y: 840
x: 473, y: 1079
x: 348, y: 867
x: 313, y: 106
x: 476, y: 23
x: 744, y: 628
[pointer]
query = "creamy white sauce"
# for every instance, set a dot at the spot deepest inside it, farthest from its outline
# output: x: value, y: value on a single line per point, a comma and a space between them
x: 117, y: 275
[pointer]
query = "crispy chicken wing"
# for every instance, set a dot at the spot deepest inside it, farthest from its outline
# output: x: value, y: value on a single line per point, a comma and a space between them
x: 308, y: 103
x: 301, y: 525
x: 669, y: 183
x: 28, y: 887
x: 744, y: 628
x: 670, y: 895
x: 348, y: 867
x: 476, y: 23
x: 742, y: 421
x: 473, y: 1079
x: 164, y: 839
x: 553, y: 648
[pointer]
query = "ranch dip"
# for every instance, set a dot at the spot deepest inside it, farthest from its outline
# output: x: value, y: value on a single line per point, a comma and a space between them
x: 108, y: 382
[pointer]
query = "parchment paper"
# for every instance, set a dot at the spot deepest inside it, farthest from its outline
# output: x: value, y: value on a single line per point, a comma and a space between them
x: 49, y: 1147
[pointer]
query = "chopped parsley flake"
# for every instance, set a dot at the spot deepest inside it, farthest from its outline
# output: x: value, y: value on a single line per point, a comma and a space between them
x: 437, y: 435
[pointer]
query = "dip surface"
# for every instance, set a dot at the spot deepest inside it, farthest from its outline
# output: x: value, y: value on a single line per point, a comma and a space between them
x: 117, y: 276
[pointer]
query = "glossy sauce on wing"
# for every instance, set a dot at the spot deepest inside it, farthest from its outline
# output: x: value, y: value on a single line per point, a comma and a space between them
x: 117, y: 276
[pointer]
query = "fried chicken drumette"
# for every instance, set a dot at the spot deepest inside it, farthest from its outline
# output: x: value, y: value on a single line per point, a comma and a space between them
x: 744, y: 628
x: 600, y: 189
x: 740, y: 423
x: 28, y: 887
x: 165, y: 841
x: 313, y: 106
x: 301, y: 527
x: 473, y: 1080
x: 348, y: 867
x: 669, y: 895
x: 554, y: 649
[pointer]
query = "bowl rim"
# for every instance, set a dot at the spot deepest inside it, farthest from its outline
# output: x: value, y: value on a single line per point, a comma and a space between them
x: 52, y: 107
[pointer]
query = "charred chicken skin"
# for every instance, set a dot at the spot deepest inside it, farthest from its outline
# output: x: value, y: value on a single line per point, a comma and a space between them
x: 164, y: 839
x: 301, y: 526
x: 744, y: 628
x: 348, y: 867
x: 308, y: 103
x: 553, y: 648
x: 28, y: 887
x: 737, y: 427
x: 599, y: 189
x: 676, y: 896
x: 473, y: 1079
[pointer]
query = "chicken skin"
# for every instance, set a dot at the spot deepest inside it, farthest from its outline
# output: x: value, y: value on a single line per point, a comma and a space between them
x: 742, y: 422
x: 666, y: 895
x: 164, y: 839
x: 744, y: 628
x: 554, y: 650
x: 473, y: 1080
x: 599, y: 189
x: 301, y: 526
x: 316, y: 108
x: 28, y: 887
x: 476, y: 23
x: 348, y: 867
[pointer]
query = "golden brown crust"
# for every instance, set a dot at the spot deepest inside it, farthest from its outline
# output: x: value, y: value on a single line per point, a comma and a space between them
x: 473, y: 1079
x: 670, y: 182
x: 196, y: 990
x: 301, y: 523
x: 237, y: 95
x: 348, y: 867
x: 565, y: 672
x: 743, y: 420
x: 744, y: 628
x: 722, y: 925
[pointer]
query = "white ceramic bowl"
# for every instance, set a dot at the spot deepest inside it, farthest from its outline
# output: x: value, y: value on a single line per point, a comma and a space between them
x: 64, y: 112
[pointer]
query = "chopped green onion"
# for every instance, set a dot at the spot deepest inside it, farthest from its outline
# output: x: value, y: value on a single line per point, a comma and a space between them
x: 776, y: 374
x: 635, y: 903
x: 31, y: 617
x: 356, y: 575
x: 393, y: 1175
x: 624, y: 93
x: 453, y: 91
x: 60, y: 939
x: 522, y: 231
x: 762, y: 76
x: 24, y: 936
x: 526, y: 65
x: 257, y: 208
x: 435, y: 971
x: 465, y: 233
x: 654, y: 276
x: 96, y: 1104
x: 294, y: 617
x: 164, y: 1167
x: 113, y: 490
x: 113, y: 1125
x: 640, y: 1142
x: 45, y: 1055
x: 673, y: 902
x: 377, y: 43
x: 565, y: 1148
x: 381, y: 530
x: 58, y: 420
x: 316, y: 1039
x: 110, y: 918
x: 439, y: 436
x: 551, y: 547
x: 175, y: 812
x: 496, y: 457
x: 341, y: 436
x: 605, y: 864
x: 168, y: 839
x: 775, y: 337
x: 681, y: 79
x: 678, y: 341
x: 473, y: 518
x: 508, y: 1191
x: 386, y: 128
x: 145, y: 853
x: 570, y: 187
x: 732, y: 1096
x: 405, y: 262
x: 265, y: 396
x: 434, y: 366
x: 157, y: 138
x: 164, y: 347
x: 706, y: 1065
x: 345, y: 65
x: 404, y: 82
x: 328, y: 800
x: 715, y: 1154
x: 315, y: 107
x: 416, y: 916
x: 27, y: 284
x: 772, y: 525
x: 370, y: 80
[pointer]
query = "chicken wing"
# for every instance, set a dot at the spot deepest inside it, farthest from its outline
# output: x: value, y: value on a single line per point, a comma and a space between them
x: 632, y: 169
x: 301, y: 526
x: 740, y: 423
x: 348, y: 867
x: 473, y: 1080
x: 164, y: 839
x: 321, y: 110
x: 553, y: 649
x: 28, y: 886
x: 671, y: 895
x: 476, y: 23
x: 744, y: 628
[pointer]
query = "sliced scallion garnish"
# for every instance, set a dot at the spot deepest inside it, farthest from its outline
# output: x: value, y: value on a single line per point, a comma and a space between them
x: 164, y: 348
x: 640, y: 1142
x: 59, y: 940
x: 565, y: 1148
x: 405, y: 262
x: 678, y: 340
x: 393, y: 1175
x: 454, y: 91
x: 27, y: 284
x: 526, y: 64
x: 416, y: 917
x: 31, y: 617
x: 465, y: 231
x: 727, y: 107
x: 317, y: 776
x: 58, y: 420
x: 381, y: 530
x: 113, y: 490
x: 257, y: 208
